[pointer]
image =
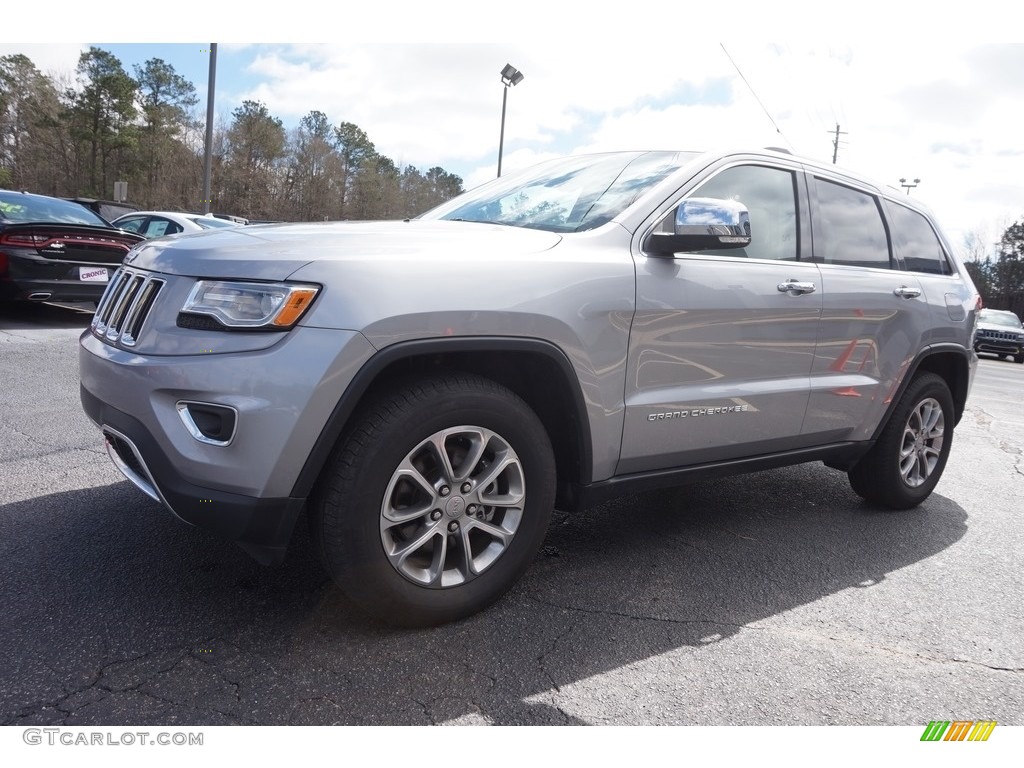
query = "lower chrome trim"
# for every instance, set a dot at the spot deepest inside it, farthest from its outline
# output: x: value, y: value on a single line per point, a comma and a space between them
x: 144, y: 482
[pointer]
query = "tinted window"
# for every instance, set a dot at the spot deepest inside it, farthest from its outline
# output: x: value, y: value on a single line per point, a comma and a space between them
x: 848, y: 228
x: 916, y: 244
x: 769, y: 195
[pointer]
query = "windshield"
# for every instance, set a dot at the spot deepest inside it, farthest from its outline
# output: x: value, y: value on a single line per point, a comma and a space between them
x: 572, y: 194
x: 996, y: 317
x: 18, y: 207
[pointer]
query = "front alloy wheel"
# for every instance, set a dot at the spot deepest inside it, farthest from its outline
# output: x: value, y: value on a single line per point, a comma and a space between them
x: 452, y: 506
x: 436, y: 501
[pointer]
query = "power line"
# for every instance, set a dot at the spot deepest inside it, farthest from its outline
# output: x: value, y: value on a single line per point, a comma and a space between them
x: 763, y: 107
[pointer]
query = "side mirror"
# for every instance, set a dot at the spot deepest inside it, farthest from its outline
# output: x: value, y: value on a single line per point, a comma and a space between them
x: 702, y: 224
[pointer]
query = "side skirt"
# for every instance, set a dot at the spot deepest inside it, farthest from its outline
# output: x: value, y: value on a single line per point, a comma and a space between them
x: 840, y: 456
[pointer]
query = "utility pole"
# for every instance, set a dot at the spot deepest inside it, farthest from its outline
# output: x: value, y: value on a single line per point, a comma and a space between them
x: 835, y: 143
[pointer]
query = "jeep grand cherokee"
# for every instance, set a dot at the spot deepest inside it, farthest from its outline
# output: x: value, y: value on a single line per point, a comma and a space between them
x: 429, y: 389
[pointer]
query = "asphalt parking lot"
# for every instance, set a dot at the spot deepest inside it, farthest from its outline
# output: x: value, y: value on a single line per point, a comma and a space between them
x: 770, y: 599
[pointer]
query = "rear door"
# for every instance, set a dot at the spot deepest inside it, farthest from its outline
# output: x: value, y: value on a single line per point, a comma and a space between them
x: 875, y: 314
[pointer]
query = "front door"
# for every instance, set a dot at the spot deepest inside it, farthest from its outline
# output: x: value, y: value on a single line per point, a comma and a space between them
x: 722, y: 343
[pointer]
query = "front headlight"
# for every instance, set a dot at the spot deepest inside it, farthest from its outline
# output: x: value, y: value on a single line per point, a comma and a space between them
x: 270, y: 306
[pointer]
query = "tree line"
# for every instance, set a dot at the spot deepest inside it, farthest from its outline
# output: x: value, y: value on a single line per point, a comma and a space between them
x: 1000, y: 279
x: 75, y: 135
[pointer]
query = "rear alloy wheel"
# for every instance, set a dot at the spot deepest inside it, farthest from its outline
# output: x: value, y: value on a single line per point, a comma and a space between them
x: 903, y: 467
x: 437, y: 501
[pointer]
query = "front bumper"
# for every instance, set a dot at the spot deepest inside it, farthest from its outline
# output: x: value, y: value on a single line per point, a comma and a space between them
x: 262, y: 527
x: 998, y: 346
x: 242, y: 490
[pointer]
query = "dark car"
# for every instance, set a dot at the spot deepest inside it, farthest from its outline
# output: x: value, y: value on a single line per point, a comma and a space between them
x: 108, y: 209
x: 53, y: 249
x: 999, y: 333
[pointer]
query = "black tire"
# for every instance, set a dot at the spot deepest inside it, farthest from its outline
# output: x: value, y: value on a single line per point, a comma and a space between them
x: 1018, y: 358
x: 903, y: 467
x: 380, y: 515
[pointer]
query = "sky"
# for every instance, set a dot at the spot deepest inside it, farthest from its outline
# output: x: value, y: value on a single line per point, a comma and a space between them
x: 912, y: 103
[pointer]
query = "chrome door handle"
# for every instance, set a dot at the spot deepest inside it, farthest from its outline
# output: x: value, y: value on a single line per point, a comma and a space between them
x: 906, y: 292
x: 796, y: 288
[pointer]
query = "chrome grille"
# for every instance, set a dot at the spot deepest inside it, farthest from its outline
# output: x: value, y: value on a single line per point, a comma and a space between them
x: 125, y: 305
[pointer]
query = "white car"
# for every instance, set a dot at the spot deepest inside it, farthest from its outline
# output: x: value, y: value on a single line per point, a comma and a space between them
x: 152, y: 224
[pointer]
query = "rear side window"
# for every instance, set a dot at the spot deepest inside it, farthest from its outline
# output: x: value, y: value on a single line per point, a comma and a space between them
x: 917, y: 246
x: 160, y: 227
x: 131, y: 225
x: 849, y: 228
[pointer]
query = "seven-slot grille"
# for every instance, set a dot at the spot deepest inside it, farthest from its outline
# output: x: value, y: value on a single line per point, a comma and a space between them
x: 124, y: 307
x: 985, y: 333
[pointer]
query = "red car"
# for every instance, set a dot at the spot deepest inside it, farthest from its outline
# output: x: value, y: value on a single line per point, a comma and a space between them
x: 53, y: 249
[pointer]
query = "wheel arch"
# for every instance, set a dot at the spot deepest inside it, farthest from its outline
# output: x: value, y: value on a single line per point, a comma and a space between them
x: 537, y: 371
x: 952, y: 363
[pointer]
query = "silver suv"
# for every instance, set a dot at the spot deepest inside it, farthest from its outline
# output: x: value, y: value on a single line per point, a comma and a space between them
x: 429, y: 389
x: 999, y: 333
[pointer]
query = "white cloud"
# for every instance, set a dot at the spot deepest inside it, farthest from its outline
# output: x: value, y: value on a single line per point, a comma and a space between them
x: 948, y: 114
x: 59, y: 59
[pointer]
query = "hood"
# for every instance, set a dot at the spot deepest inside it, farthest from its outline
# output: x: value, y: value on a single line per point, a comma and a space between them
x: 275, y: 251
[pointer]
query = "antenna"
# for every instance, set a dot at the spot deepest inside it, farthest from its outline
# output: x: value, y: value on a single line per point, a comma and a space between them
x: 758, y: 98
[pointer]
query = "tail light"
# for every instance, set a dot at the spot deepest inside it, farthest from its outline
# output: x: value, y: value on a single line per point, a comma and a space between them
x: 23, y: 239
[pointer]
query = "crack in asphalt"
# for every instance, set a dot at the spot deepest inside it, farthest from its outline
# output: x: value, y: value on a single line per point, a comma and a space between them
x: 633, y: 616
x: 917, y: 656
x: 58, y: 450
x: 983, y: 418
x: 914, y: 656
x: 179, y: 655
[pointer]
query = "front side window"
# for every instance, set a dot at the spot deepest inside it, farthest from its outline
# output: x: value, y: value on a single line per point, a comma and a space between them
x: 849, y: 228
x: 769, y: 195
x: 917, y: 246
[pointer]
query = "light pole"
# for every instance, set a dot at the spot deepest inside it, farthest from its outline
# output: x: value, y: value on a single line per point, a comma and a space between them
x: 908, y: 186
x: 208, y: 151
x: 509, y: 76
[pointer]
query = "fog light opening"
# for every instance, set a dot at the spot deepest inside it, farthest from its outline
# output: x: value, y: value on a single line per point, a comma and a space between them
x: 209, y: 423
